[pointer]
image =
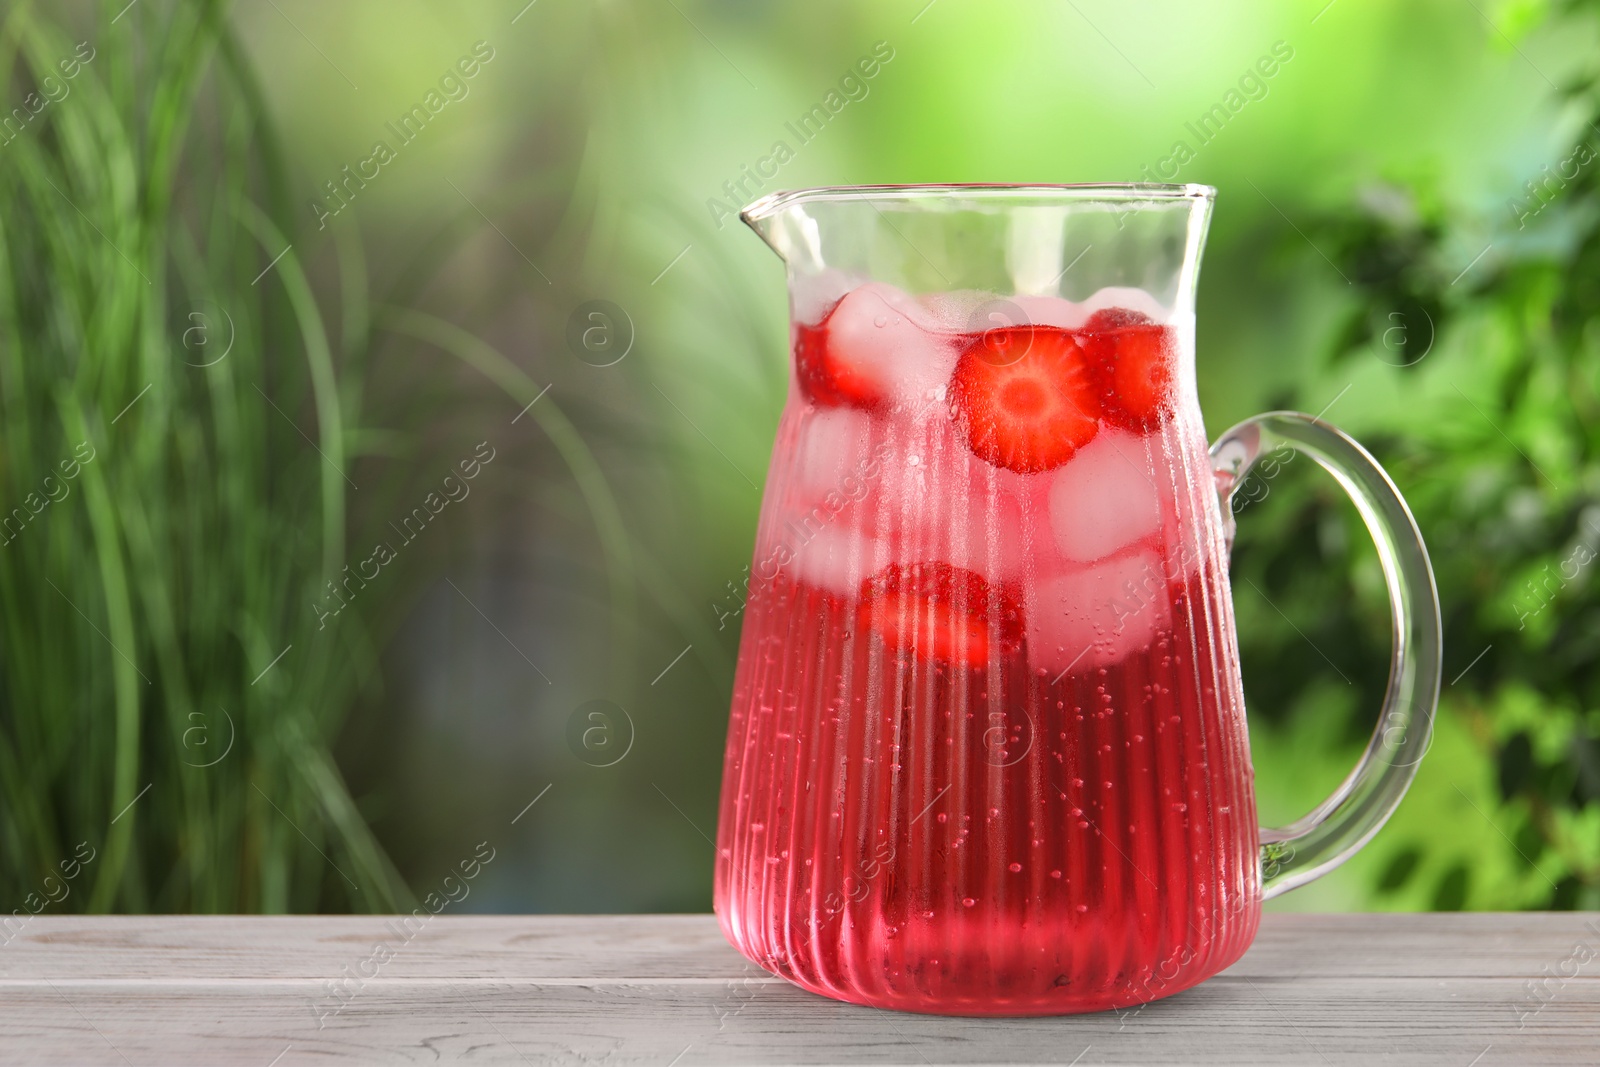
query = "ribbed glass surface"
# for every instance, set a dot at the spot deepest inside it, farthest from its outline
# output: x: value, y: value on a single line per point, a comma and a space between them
x: 987, y: 751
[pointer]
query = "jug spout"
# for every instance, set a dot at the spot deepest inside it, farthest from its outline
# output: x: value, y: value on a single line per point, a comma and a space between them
x: 781, y: 221
x: 758, y: 217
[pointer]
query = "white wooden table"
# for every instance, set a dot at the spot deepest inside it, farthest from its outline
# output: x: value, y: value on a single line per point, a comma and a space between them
x: 1461, y: 990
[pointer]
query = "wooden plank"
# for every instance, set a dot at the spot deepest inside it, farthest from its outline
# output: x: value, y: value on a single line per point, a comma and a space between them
x: 1448, y: 989
x: 1228, y: 1020
x: 319, y: 946
x: 690, y: 946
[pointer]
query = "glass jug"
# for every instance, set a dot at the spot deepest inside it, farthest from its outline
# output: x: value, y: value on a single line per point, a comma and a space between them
x: 987, y: 752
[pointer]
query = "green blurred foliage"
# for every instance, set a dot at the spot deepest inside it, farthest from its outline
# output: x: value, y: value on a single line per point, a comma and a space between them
x: 1356, y: 194
x: 1491, y: 428
x: 143, y: 728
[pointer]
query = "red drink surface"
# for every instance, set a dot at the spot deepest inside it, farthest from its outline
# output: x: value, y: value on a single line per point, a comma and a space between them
x: 987, y: 752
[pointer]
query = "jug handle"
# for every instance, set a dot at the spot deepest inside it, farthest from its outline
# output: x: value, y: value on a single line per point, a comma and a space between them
x: 1310, y: 847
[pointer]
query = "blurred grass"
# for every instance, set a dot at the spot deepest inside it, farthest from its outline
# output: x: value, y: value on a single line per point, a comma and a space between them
x: 179, y: 706
x: 1375, y: 169
x: 201, y: 528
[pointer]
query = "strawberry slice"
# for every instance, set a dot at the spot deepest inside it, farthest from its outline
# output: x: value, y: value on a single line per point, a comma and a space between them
x: 826, y: 379
x: 1132, y: 361
x: 1026, y: 397
x: 936, y: 611
x: 1107, y: 319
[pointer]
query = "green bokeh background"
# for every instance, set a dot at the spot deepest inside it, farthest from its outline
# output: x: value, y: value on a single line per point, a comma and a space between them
x: 1377, y: 165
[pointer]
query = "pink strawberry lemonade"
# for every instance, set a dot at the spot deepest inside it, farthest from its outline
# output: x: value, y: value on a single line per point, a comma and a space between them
x: 987, y: 752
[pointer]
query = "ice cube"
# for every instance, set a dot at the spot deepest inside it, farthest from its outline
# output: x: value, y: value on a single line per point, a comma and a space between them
x: 831, y: 445
x: 934, y: 501
x: 1106, y: 497
x: 884, y: 335
x: 919, y: 464
x: 984, y: 536
x: 831, y: 557
x: 953, y: 310
x: 1052, y: 311
x: 811, y: 296
x: 988, y: 536
x: 1095, y: 616
x: 968, y: 311
x: 979, y: 532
